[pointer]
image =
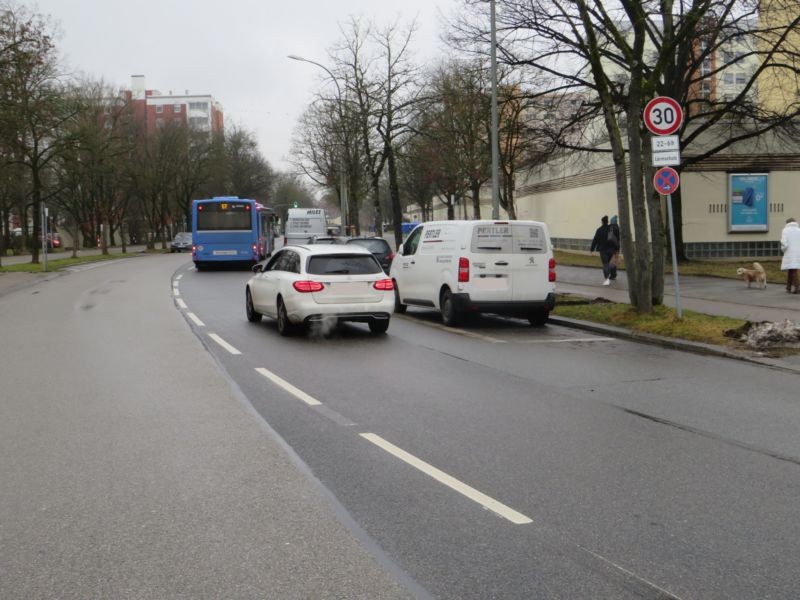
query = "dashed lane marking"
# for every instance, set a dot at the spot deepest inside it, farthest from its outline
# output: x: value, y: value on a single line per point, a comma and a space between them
x: 451, y: 482
x: 195, y: 320
x: 223, y: 343
x: 288, y: 387
x: 181, y: 304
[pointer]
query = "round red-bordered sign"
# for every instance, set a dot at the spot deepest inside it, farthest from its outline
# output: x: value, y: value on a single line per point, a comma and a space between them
x: 663, y: 115
x: 666, y: 181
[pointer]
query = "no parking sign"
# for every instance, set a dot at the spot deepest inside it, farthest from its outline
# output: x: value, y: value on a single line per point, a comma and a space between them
x: 666, y: 180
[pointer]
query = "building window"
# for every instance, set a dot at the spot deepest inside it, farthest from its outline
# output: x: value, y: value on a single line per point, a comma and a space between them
x: 159, y: 109
x: 160, y: 123
x: 176, y: 108
x: 727, y: 78
x: 740, y: 78
x: 198, y: 106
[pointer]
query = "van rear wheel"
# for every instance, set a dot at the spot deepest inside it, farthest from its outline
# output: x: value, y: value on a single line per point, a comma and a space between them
x: 539, y: 318
x: 450, y: 315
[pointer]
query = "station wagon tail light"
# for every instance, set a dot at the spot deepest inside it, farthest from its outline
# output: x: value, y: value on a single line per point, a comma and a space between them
x: 463, y: 270
x: 551, y: 266
x: 384, y: 285
x: 304, y: 287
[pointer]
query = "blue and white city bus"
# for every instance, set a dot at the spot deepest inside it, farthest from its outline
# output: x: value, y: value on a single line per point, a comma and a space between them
x: 230, y: 230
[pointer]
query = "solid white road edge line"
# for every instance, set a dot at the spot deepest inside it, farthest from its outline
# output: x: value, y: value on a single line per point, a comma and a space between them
x: 288, y: 387
x: 451, y: 482
x: 181, y: 304
x: 223, y: 343
x: 194, y: 318
x: 597, y: 339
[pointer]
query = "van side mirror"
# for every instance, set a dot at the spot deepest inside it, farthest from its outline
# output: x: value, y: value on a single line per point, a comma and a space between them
x: 400, y: 250
x: 257, y: 268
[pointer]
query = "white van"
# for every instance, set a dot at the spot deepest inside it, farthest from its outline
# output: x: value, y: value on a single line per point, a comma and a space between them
x: 304, y: 223
x: 458, y: 267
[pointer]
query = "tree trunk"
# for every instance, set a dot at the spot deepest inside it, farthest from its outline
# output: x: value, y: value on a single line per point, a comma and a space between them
x: 394, y: 195
x: 475, y: 187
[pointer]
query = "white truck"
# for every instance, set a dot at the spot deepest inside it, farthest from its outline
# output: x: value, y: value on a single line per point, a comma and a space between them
x: 458, y: 267
x: 304, y: 223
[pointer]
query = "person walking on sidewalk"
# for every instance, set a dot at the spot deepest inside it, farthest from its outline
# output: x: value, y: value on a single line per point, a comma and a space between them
x: 790, y: 246
x: 606, y: 242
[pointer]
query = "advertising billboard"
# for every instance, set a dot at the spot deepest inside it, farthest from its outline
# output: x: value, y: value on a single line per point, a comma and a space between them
x: 747, y: 202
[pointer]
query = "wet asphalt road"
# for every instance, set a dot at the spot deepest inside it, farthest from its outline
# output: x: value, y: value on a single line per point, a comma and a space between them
x: 634, y: 471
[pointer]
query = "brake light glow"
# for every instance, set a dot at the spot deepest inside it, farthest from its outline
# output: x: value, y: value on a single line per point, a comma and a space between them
x: 463, y: 270
x: 551, y: 273
x: 384, y: 285
x: 304, y: 287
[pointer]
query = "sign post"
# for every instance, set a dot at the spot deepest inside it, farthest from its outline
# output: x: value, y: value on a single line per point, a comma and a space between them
x: 663, y: 116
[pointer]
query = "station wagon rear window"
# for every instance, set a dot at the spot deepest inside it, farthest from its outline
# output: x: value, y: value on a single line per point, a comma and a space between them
x: 343, y: 264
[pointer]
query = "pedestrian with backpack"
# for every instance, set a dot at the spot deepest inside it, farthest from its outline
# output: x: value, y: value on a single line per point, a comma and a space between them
x: 606, y: 242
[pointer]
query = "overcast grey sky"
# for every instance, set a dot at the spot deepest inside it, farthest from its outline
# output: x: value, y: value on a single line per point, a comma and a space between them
x: 235, y: 50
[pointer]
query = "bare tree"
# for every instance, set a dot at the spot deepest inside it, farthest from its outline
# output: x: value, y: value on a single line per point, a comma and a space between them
x: 34, y: 108
x: 618, y: 55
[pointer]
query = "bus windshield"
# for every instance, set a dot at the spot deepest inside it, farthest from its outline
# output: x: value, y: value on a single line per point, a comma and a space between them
x: 224, y: 216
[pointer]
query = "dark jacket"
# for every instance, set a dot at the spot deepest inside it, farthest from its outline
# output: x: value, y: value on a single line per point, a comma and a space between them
x: 602, y: 242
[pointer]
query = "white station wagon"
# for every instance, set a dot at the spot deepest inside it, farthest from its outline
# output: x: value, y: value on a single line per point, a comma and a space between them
x: 306, y: 284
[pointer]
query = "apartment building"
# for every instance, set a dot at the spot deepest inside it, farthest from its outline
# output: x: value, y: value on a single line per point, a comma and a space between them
x: 201, y: 112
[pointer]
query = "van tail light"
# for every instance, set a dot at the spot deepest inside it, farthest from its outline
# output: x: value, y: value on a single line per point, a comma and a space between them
x: 304, y: 287
x: 384, y: 285
x: 463, y: 270
x: 255, y: 250
x: 551, y: 266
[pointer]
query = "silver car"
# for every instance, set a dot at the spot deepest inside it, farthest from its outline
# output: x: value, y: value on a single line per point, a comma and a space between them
x: 301, y: 285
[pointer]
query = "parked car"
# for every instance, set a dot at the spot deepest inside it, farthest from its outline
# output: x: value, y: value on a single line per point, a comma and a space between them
x: 325, y: 284
x: 182, y: 242
x: 379, y: 247
x: 53, y: 241
x: 457, y: 267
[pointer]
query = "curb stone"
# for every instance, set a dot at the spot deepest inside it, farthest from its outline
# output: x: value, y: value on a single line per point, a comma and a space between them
x: 672, y: 343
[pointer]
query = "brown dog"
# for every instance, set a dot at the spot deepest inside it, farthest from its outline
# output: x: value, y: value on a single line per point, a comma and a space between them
x: 755, y: 275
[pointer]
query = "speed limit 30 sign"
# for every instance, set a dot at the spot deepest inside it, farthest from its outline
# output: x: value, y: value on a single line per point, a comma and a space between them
x: 663, y: 115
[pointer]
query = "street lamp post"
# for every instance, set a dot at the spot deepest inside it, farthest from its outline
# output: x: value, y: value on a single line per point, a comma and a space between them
x: 343, y: 166
x: 495, y: 122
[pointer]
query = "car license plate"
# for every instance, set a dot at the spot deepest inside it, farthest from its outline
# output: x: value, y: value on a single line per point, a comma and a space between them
x: 348, y: 288
x: 224, y: 252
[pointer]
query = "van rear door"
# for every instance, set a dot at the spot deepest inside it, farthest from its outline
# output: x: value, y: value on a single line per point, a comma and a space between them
x: 530, y: 261
x: 491, y: 262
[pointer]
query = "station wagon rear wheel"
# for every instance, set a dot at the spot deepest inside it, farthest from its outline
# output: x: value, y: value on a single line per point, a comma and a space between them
x: 379, y: 325
x: 285, y: 327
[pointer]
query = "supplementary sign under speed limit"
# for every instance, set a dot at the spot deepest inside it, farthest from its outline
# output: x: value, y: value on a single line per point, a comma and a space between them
x: 663, y: 115
x: 666, y: 181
